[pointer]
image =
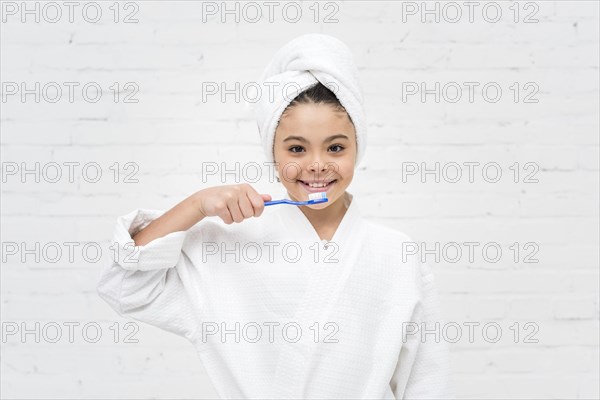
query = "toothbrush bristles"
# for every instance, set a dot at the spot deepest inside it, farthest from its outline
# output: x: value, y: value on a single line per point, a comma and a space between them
x: 317, y: 196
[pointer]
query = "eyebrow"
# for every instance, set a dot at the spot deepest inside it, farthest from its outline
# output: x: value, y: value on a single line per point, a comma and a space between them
x: 329, y: 139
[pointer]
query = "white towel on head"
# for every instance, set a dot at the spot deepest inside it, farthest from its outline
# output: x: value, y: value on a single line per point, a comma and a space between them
x: 300, y: 64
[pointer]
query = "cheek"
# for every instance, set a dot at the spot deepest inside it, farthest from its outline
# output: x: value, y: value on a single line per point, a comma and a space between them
x: 346, y: 168
x: 289, y: 171
x: 281, y: 159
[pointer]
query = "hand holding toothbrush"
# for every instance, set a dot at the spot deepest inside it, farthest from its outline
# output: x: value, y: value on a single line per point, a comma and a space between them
x: 234, y: 203
x: 231, y: 203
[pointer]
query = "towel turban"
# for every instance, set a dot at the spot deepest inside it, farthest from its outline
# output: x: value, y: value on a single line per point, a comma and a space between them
x: 299, y: 65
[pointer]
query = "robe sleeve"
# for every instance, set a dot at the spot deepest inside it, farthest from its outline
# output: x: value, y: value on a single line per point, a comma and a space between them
x: 423, y: 369
x: 144, y: 282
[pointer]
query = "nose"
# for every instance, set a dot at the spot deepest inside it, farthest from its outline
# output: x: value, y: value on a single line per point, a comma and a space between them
x: 320, y: 167
x: 318, y: 163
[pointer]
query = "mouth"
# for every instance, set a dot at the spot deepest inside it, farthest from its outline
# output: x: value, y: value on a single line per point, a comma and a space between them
x: 317, y: 186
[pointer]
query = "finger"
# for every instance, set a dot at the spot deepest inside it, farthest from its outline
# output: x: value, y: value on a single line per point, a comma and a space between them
x: 234, y: 210
x: 245, y: 206
x: 225, y: 215
x: 257, y: 202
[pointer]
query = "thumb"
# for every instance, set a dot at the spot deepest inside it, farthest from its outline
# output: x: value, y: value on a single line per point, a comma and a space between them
x: 266, y: 197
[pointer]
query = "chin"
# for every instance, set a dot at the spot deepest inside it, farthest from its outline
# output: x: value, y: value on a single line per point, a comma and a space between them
x: 320, y: 206
x: 331, y: 199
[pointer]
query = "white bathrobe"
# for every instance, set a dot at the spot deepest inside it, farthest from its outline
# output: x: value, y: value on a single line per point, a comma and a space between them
x: 283, y: 316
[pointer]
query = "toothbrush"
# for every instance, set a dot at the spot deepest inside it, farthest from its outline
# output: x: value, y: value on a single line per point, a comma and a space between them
x: 313, y: 198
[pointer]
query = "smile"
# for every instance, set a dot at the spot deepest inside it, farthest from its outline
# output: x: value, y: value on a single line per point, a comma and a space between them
x: 317, y: 186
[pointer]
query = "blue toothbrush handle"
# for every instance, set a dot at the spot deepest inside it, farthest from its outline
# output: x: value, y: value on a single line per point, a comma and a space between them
x: 295, y: 203
x: 282, y: 201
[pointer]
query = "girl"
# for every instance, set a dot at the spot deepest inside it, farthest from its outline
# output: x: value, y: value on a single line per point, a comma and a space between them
x: 287, y: 302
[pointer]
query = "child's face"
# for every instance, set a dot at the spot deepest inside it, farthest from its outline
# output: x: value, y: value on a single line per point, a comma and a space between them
x: 315, y: 142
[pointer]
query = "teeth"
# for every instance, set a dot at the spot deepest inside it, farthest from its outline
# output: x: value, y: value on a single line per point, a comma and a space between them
x: 317, y: 184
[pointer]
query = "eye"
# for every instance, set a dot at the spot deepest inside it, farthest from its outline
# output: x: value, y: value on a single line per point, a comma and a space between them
x: 339, y: 147
x: 296, y: 147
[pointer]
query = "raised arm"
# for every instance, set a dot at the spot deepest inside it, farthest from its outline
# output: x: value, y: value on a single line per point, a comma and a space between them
x: 150, y: 278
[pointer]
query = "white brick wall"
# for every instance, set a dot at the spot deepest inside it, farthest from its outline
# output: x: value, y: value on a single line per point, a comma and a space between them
x: 171, y: 52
